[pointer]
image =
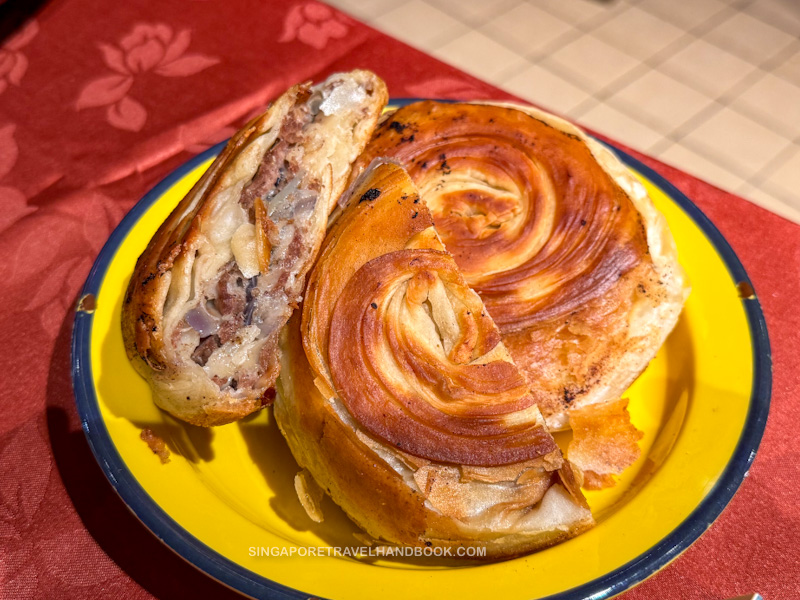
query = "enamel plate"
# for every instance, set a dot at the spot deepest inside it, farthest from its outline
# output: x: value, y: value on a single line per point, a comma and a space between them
x: 226, y: 500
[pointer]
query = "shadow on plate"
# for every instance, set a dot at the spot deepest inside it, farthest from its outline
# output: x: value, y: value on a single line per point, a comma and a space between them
x: 106, y: 517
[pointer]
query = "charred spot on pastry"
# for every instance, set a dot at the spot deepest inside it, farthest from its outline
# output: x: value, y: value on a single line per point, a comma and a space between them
x: 148, y: 279
x: 569, y: 396
x: 398, y: 126
x: 373, y: 305
x: 583, y: 222
x: 370, y: 195
x: 414, y: 216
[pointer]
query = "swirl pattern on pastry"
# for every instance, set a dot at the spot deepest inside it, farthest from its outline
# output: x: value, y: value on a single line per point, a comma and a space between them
x: 410, y: 349
x: 556, y: 241
x: 399, y: 398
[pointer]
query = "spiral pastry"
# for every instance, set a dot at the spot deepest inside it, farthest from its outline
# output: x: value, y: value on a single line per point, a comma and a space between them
x: 399, y: 397
x: 572, y: 260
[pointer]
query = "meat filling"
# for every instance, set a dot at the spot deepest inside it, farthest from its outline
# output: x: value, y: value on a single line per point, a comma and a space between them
x: 267, y: 299
x: 276, y: 170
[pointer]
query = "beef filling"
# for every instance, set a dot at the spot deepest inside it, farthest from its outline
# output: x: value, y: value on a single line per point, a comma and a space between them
x: 205, y: 349
x: 275, y: 170
x: 231, y: 301
x: 267, y: 300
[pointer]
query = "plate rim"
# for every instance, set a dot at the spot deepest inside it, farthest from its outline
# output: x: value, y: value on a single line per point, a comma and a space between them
x: 245, y: 581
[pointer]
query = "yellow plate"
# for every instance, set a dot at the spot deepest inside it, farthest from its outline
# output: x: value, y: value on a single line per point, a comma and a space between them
x: 226, y: 500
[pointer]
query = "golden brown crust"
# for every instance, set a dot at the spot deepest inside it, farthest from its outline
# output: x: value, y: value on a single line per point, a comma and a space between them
x: 376, y: 337
x: 341, y: 464
x: 564, y: 247
x: 222, y: 238
x: 604, y: 442
x: 411, y: 351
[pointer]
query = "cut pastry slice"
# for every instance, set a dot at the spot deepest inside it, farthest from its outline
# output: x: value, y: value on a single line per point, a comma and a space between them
x: 221, y: 277
x: 398, y: 397
x: 573, y: 261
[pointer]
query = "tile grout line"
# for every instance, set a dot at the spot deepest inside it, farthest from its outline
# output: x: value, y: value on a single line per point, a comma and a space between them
x: 510, y: 5
x: 728, y: 98
x: 786, y: 30
x: 764, y: 173
x: 441, y: 40
x: 718, y: 159
x: 612, y: 87
x: 677, y: 135
x: 777, y: 194
x: 439, y: 4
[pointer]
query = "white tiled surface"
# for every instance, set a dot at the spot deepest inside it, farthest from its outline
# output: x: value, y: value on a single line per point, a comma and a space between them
x: 749, y: 37
x: 736, y: 141
x: 693, y: 62
x: 527, y: 28
x: 710, y: 86
x: 638, y: 32
x: 482, y: 56
x: 591, y: 62
x: 420, y: 24
x: 548, y: 88
x: 660, y: 101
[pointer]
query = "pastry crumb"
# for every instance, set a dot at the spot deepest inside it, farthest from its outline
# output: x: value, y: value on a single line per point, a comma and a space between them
x: 156, y: 444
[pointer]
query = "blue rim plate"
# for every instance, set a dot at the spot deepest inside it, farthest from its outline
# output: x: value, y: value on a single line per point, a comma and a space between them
x: 252, y: 584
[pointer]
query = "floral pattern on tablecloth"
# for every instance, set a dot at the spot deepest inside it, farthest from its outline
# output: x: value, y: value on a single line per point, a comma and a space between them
x: 157, y: 48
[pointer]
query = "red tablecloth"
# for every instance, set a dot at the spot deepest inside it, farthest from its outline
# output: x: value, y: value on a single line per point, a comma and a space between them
x: 98, y: 101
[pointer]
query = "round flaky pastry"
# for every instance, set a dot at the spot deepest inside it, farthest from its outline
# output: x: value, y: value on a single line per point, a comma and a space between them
x: 571, y: 258
x: 399, y: 398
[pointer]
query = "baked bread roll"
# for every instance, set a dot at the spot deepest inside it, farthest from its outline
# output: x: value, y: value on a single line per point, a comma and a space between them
x: 222, y: 275
x: 398, y: 397
x: 571, y: 258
